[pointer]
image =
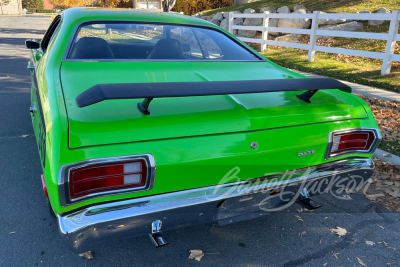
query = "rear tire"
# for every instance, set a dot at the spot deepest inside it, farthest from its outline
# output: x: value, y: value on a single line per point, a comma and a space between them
x: 49, y: 208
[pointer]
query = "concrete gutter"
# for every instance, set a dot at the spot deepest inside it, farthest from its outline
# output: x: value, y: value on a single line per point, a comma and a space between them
x: 362, y: 89
x: 395, y: 160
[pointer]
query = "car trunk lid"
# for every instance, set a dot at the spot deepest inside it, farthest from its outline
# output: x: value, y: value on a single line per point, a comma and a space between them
x: 119, y: 121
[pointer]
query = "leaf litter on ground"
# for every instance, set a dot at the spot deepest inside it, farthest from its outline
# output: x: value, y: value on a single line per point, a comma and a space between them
x: 339, y: 231
x: 87, y: 255
x: 196, y: 254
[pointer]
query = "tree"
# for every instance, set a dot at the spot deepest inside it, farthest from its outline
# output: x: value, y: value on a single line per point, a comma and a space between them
x: 33, y: 4
x: 168, y: 5
x: 76, y: 3
x: 4, y: 3
x: 190, y: 7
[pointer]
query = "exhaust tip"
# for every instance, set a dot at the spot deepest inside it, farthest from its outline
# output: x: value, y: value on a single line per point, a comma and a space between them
x: 306, y: 202
x: 158, y: 239
x: 156, y: 235
x: 309, y: 204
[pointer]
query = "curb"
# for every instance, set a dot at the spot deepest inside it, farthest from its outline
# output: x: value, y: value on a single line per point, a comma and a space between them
x: 361, y: 89
x: 395, y: 160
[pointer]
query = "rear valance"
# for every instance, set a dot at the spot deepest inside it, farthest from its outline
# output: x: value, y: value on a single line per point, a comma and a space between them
x: 148, y: 91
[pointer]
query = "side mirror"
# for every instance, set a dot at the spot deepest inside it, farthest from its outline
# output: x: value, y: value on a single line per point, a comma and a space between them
x: 32, y: 44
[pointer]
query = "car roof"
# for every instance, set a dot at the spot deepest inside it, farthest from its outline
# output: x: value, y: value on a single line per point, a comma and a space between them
x: 80, y: 14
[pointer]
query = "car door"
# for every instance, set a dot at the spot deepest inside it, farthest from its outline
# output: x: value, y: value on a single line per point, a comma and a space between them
x: 36, y: 110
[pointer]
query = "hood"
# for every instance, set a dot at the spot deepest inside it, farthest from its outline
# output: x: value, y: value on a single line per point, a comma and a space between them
x: 119, y: 121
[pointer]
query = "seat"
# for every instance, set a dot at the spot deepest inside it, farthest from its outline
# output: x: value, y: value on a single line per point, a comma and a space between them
x: 91, y: 48
x: 167, y: 49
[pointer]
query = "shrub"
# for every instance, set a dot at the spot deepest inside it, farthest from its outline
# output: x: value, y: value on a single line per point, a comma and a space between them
x: 45, y: 11
x: 33, y: 4
x: 190, y: 7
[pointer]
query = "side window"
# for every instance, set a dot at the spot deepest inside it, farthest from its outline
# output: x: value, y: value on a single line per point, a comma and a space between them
x: 210, y: 49
x: 54, y: 33
x: 190, y: 45
x: 50, y: 32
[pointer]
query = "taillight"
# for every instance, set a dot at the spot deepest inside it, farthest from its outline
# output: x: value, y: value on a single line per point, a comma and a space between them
x: 104, y: 177
x: 353, y: 141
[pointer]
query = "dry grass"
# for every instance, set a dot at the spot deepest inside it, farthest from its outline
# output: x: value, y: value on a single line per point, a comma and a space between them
x: 339, y: 6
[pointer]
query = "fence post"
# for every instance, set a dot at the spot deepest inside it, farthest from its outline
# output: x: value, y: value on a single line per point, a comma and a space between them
x: 264, y: 36
x: 390, y: 43
x: 313, y: 37
x: 230, y: 22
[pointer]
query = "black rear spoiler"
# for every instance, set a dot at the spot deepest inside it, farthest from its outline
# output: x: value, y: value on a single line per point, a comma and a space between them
x: 148, y: 91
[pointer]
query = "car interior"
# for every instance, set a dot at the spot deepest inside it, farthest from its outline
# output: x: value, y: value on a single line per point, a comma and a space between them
x: 162, y: 47
x: 98, y: 48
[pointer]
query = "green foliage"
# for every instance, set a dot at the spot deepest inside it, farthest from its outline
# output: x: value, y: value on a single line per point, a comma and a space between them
x: 33, y: 4
x: 45, y: 11
x: 190, y: 7
x: 4, y: 2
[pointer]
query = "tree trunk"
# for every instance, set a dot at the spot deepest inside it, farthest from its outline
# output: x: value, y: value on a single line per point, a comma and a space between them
x: 168, y: 5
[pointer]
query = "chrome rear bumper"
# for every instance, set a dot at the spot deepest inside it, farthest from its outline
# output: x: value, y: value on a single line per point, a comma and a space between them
x: 225, y: 203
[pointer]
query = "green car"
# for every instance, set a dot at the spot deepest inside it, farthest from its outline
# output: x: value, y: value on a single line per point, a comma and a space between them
x: 151, y: 121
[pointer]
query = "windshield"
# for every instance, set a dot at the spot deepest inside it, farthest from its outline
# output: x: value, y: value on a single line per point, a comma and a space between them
x: 156, y: 42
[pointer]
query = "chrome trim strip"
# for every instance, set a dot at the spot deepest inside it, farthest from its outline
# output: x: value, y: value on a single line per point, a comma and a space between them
x: 77, y: 28
x: 374, y: 145
x: 122, y: 210
x: 63, y: 177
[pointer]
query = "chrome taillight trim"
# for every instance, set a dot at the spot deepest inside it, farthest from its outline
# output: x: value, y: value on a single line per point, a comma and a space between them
x: 63, y: 178
x: 374, y: 145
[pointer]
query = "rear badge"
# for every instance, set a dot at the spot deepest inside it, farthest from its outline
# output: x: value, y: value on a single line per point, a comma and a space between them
x: 306, y: 153
x: 254, y: 145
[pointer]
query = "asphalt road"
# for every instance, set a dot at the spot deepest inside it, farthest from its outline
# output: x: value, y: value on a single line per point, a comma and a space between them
x: 29, y: 236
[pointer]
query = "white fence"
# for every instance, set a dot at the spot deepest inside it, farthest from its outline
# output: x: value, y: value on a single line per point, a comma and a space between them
x: 391, y: 37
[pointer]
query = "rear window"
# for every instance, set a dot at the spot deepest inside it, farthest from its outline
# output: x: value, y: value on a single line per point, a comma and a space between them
x: 134, y: 41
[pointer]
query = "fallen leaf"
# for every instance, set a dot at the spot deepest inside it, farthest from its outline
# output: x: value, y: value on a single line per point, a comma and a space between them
x: 299, y: 218
x: 87, y: 255
x: 360, y: 262
x: 325, y: 264
x: 369, y: 243
x: 349, y: 191
x: 381, y: 226
x: 339, y: 231
x: 302, y: 233
x: 334, y: 255
x: 196, y: 254
x: 10, y: 233
x: 25, y: 135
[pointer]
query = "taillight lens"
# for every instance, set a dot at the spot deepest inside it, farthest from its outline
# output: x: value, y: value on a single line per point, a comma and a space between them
x: 355, y: 141
x: 107, y: 177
